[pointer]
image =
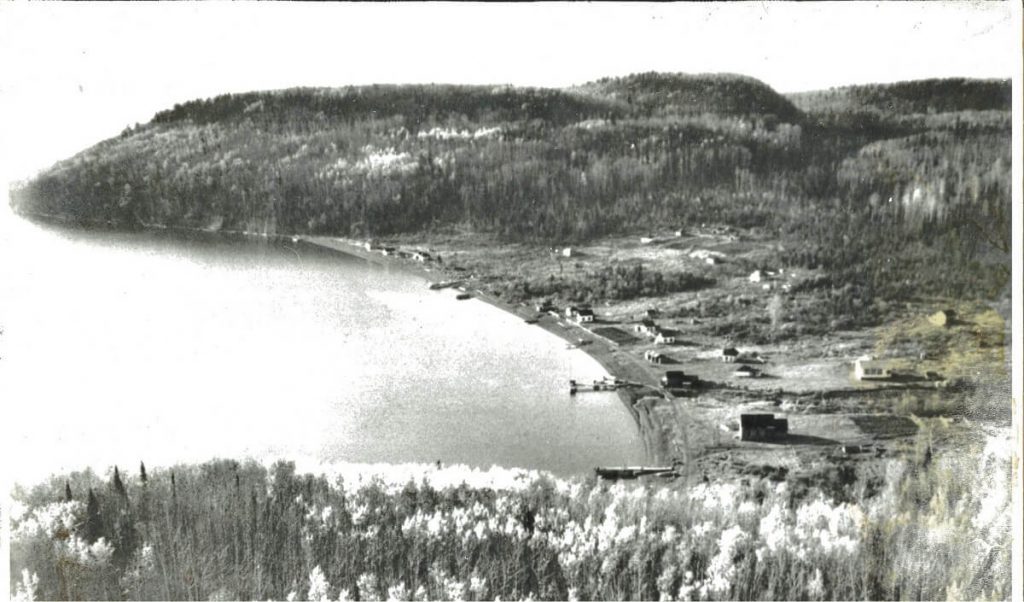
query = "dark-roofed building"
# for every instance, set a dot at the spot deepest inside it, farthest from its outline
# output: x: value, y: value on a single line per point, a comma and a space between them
x: 762, y: 427
x: 674, y: 379
x: 746, y: 372
x: 729, y: 354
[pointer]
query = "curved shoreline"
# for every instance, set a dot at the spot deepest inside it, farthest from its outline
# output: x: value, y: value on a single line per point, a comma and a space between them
x: 601, y: 350
x: 605, y: 352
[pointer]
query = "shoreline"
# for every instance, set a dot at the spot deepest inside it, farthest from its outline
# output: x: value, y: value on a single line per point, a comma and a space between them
x: 601, y: 350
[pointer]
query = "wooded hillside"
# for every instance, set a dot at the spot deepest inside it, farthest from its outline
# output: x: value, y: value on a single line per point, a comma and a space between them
x: 878, y: 184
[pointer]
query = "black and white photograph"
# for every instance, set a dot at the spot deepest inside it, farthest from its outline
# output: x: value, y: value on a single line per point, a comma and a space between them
x: 511, y: 301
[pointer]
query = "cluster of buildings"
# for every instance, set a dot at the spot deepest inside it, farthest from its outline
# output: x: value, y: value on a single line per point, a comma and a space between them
x: 648, y: 327
x: 415, y: 254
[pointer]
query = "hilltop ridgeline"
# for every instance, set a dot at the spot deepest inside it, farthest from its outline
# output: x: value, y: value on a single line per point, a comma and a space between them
x: 927, y: 96
x: 618, y: 155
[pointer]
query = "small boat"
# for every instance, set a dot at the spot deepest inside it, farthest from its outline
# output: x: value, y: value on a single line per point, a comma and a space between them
x: 463, y: 296
x: 434, y: 286
x: 530, y: 320
x: 633, y: 472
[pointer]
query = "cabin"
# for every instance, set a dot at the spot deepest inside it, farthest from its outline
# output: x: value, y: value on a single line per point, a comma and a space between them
x: 729, y: 354
x: 387, y: 251
x: 646, y: 240
x: 944, y: 318
x: 677, y: 378
x: 756, y: 276
x: 762, y: 427
x: 711, y: 260
x: 584, y: 315
x: 869, y: 369
x: 650, y: 314
x: 567, y: 252
x: 663, y: 338
x: 421, y: 256
x: 570, y: 312
x: 654, y: 357
x: 646, y: 326
x: 746, y: 372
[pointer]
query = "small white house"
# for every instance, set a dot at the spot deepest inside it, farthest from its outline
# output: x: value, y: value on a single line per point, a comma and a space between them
x: 729, y: 354
x: 584, y: 315
x: 646, y: 240
x: 664, y: 339
x: 756, y: 276
x: 567, y: 252
x: 866, y: 368
x: 647, y: 327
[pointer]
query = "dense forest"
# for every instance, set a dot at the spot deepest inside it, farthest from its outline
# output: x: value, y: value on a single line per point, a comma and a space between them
x: 893, y: 190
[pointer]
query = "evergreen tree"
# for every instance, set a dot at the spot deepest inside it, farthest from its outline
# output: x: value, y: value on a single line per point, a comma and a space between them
x: 93, y: 518
x: 118, y: 485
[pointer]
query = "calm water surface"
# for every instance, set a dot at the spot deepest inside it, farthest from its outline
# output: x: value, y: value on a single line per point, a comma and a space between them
x: 120, y: 347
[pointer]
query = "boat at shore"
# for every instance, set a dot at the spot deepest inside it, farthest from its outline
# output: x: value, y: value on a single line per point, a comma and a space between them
x: 463, y: 296
x: 436, y: 286
x: 633, y: 472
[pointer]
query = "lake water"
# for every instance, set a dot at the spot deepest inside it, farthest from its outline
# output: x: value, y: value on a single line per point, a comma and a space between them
x: 163, y: 347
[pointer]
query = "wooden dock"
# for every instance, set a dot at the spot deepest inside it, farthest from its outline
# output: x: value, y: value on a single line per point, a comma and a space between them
x: 604, y: 384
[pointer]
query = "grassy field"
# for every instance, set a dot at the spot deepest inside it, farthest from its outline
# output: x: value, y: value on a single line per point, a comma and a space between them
x: 932, y: 528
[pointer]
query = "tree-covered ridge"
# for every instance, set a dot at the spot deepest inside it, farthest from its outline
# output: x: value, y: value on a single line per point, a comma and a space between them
x: 416, y: 105
x: 877, y: 199
x: 921, y: 96
x: 686, y: 94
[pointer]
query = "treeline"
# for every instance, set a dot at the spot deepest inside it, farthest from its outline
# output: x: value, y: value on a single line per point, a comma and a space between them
x: 620, y: 155
x: 230, y: 531
x: 921, y: 96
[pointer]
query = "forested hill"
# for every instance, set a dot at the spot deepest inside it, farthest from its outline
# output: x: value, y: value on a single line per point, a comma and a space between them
x: 902, y: 186
x: 665, y: 94
x: 923, y: 96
